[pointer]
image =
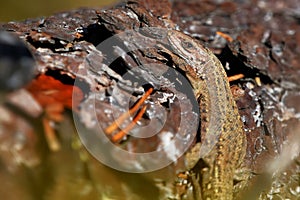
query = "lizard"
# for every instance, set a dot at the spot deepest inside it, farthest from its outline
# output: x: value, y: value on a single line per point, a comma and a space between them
x: 223, y: 142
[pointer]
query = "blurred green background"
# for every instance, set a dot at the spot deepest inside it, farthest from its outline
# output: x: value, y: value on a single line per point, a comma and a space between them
x: 16, y: 10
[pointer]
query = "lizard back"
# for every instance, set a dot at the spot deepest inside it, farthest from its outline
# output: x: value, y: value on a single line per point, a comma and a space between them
x: 223, y: 144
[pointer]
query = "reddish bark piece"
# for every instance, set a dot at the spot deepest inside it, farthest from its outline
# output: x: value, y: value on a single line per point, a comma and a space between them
x: 48, y: 92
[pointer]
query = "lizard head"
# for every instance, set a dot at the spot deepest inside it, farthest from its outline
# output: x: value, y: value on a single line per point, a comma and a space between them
x: 185, y: 46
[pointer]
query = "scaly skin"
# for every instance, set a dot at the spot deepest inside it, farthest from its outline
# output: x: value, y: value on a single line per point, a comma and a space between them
x: 223, y: 144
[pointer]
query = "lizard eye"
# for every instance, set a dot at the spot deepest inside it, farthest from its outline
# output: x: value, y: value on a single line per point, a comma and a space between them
x: 187, y: 45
